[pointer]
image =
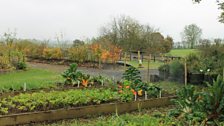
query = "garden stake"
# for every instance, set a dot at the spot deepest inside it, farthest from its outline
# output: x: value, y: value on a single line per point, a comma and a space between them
x: 24, y: 87
x: 136, y: 97
x: 116, y: 112
x: 160, y: 94
x: 146, y: 97
x: 102, y: 82
x: 139, y: 108
x: 78, y: 83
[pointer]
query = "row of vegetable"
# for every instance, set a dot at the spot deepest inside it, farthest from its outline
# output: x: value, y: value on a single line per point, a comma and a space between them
x: 57, y: 99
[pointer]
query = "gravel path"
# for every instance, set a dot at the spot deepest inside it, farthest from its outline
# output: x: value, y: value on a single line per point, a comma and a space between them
x: 116, y: 73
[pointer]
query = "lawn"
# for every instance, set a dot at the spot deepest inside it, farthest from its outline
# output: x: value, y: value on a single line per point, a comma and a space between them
x: 181, y: 52
x: 34, y: 79
x: 152, y: 65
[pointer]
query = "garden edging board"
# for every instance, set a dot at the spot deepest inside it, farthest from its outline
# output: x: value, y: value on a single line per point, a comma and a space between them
x: 70, y: 113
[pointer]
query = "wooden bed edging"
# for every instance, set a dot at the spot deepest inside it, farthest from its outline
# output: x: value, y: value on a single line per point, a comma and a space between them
x: 53, y: 115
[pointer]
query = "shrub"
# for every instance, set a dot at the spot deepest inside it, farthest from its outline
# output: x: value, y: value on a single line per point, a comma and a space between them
x: 52, y: 53
x: 176, y: 71
x: 21, y: 66
x: 164, y: 68
x: 79, y: 54
x: 193, y: 63
x: 164, y: 71
x: 4, y: 62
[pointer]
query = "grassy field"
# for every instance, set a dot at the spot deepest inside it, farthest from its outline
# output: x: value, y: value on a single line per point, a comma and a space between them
x: 181, y: 52
x: 34, y: 79
x: 152, y: 65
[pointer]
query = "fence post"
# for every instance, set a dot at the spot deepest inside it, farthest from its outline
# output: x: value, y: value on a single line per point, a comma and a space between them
x: 223, y: 73
x: 125, y: 60
x: 148, y: 75
x: 185, y: 72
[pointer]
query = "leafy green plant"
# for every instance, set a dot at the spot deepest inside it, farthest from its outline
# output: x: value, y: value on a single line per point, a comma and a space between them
x: 189, y: 105
x: 205, y: 107
x: 125, y: 91
x: 132, y: 74
x: 214, y: 100
x: 99, y: 80
x: 71, y: 74
x: 152, y: 90
x: 59, y: 99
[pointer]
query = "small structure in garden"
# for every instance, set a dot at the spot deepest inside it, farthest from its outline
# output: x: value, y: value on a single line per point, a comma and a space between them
x: 134, y: 55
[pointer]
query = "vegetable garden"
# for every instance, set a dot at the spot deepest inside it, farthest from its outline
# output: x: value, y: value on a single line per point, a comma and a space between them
x: 28, y: 93
x: 80, y: 90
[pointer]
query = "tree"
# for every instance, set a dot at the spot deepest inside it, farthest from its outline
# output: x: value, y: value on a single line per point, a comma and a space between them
x: 221, y: 7
x: 78, y: 42
x: 191, y: 35
x: 130, y: 35
x: 125, y: 32
x: 168, y: 44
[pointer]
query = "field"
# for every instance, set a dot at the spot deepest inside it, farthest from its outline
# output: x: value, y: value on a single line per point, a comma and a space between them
x: 181, y: 52
x: 34, y: 79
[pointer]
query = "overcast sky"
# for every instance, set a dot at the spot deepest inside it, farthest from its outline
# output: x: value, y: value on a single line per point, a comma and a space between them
x: 43, y: 19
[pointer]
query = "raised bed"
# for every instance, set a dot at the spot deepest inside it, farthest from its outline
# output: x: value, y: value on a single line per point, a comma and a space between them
x: 77, y: 112
x: 14, y: 93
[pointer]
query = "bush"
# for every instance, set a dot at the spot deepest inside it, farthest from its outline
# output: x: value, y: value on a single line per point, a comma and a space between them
x: 176, y: 71
x: 193, y: 63
x: 52, y: 53
x: 21, y: 66
x: 79, y: 54
x: 164, y: 71
x: 4, y: 62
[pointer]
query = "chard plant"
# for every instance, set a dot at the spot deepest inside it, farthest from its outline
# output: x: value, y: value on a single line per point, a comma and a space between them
x: 71, y: 75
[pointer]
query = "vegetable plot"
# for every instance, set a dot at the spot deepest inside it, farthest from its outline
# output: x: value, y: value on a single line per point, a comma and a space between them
x: 56, y: 99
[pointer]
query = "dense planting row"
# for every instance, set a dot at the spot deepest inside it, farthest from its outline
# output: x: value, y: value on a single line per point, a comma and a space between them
x: 57, y: 99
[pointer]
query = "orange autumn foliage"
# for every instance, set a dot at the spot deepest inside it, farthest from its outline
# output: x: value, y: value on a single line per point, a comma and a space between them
x: 109, y: 52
